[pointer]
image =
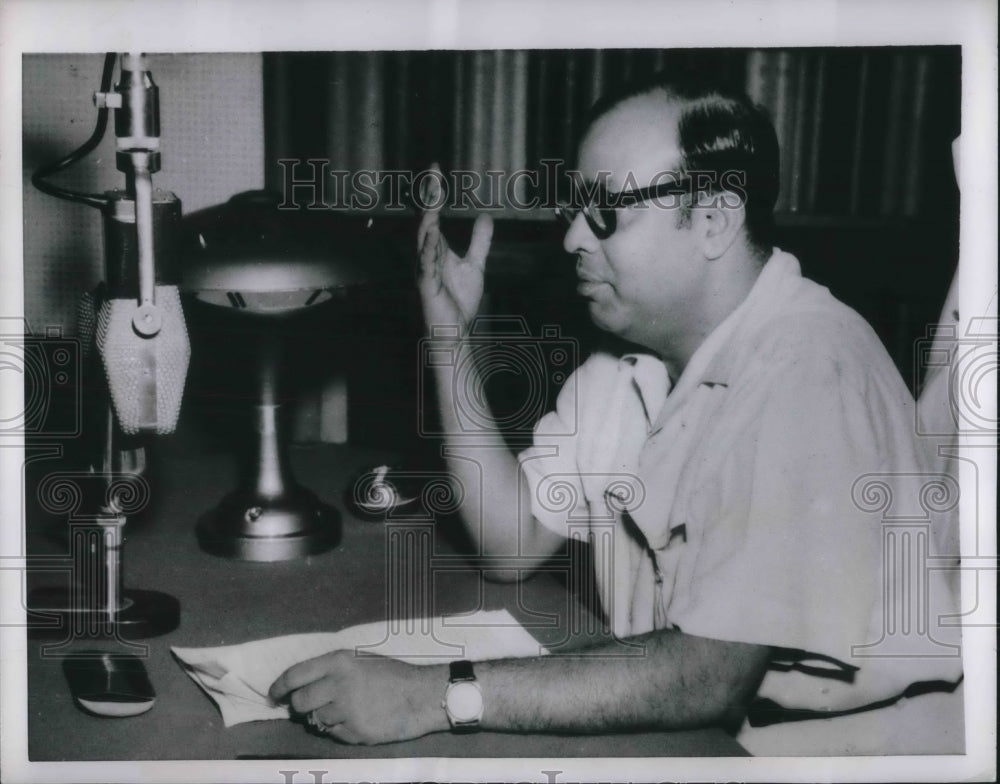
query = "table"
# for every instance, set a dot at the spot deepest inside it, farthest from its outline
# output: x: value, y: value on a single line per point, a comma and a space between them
x: 225, y: 602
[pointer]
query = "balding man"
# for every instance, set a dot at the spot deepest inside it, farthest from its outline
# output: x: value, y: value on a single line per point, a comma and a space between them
x: 747, y: 406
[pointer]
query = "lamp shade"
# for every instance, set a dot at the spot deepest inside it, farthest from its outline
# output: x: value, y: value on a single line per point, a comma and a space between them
x: 249, y: 255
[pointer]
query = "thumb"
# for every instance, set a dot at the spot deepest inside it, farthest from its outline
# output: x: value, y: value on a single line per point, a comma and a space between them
x: 482, y: 235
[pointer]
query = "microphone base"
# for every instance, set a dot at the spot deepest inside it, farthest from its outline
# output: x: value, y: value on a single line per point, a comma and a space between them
x: 55, y: 612
x: 251, y: 527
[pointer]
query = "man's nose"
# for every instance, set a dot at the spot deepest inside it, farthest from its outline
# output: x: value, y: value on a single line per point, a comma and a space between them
x: 579, y: 237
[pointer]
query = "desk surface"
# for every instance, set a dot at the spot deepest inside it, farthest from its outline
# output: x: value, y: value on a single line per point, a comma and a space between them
x: 225, y: 602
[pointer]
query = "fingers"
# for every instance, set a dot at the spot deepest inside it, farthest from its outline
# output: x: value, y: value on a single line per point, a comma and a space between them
x: 312, y: 696
x: 333, y: 721
x: 429, y: 244
x: 429, y: 229
x: 328, y: 716
x: 345, y: 734
x: 482, y: 236
x: 431, y: 190
x: 430, y: 199
x: 432, y: 248
x: 302, y: 674
x: 352, y: 702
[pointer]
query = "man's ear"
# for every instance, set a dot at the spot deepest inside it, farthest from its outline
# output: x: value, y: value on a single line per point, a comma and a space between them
x: 720, y: 218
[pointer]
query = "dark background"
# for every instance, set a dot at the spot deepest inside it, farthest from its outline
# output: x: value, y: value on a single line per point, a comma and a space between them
x: 868, y: 204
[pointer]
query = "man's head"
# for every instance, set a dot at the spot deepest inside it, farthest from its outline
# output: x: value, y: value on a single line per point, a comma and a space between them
x: 724, y: 141
x: 672, y: 269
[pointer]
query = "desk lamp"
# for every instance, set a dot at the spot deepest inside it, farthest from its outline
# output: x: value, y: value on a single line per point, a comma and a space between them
x: 266, y: 266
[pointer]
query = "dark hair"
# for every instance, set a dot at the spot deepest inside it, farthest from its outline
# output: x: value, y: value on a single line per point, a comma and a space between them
x: 719, y: 130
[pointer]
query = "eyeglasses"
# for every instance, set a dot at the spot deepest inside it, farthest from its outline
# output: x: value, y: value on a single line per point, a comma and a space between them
x: 601, y: 210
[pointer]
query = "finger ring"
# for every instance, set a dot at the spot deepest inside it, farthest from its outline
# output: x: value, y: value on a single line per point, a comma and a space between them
x: 318, y: 723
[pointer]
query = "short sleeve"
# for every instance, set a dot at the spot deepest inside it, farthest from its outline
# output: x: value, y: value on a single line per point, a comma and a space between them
x: 591, y: 436
x: 549, y: 465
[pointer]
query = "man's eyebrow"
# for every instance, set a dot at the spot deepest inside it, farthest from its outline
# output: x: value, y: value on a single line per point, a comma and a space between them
x: 578, y: 178
x: 588, y: 188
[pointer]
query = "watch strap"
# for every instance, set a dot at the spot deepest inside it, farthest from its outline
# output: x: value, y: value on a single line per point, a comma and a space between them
x: 461, y: 671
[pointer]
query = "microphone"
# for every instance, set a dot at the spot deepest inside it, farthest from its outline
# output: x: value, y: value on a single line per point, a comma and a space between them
x: 141, y: 334
x: 86, y: 321
x: 145, y: 374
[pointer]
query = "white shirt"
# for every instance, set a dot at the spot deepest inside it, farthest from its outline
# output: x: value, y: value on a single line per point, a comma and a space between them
x: 743, y: 503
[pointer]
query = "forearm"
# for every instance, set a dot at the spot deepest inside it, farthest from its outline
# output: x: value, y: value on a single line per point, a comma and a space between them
x: 496, y: 504
x: 678, y: 682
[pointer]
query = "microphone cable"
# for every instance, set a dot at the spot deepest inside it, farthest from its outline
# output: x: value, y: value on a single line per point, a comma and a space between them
x: 38, y: 179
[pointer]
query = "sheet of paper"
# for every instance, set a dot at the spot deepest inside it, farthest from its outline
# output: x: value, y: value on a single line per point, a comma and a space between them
x: 237, y: 677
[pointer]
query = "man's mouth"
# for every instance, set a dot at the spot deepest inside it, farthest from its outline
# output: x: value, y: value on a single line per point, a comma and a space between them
x: 587, y: 287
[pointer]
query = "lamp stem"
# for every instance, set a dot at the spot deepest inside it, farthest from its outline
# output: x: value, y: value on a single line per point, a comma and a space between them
x: 271, y: 449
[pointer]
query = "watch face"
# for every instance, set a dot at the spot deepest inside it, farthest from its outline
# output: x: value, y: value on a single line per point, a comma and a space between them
x: 464, y: 701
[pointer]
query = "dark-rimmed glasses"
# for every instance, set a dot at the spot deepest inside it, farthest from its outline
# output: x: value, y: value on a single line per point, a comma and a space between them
x: 601, y: 210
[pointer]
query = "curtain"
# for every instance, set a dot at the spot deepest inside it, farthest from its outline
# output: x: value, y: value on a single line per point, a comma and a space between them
x: 863, y: 132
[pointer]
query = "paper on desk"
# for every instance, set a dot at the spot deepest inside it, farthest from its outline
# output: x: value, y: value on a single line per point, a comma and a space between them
x: 237, y: 677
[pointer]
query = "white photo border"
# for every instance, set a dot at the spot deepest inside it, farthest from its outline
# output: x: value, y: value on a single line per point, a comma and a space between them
x: 70, y: 26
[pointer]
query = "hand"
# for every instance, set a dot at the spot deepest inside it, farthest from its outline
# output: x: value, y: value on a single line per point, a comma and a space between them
x: 366, y: 699
x: 451, y: 286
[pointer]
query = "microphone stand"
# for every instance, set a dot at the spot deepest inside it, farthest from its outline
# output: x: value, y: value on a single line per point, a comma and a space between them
x: 97, y: 604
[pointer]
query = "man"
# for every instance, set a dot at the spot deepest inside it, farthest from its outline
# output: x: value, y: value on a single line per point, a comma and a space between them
x: 753, y: 402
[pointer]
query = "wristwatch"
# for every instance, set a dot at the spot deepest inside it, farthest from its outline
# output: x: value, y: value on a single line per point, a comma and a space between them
x: 463, y: 699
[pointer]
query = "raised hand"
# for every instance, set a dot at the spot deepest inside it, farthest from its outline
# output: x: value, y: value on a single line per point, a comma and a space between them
x: 451, y: 286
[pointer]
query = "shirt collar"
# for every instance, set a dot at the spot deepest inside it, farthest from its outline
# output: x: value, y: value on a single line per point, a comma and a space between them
x: 715, y: 358
x: 712, y: 363
x: 651, y: 381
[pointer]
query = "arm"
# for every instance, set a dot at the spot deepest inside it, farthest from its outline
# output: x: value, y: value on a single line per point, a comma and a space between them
x: 495, y: 506
x: 679, y: 682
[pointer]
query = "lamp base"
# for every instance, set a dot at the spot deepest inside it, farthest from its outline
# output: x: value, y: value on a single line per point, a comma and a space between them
x: 58, y: 612
x: 250, y: 527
